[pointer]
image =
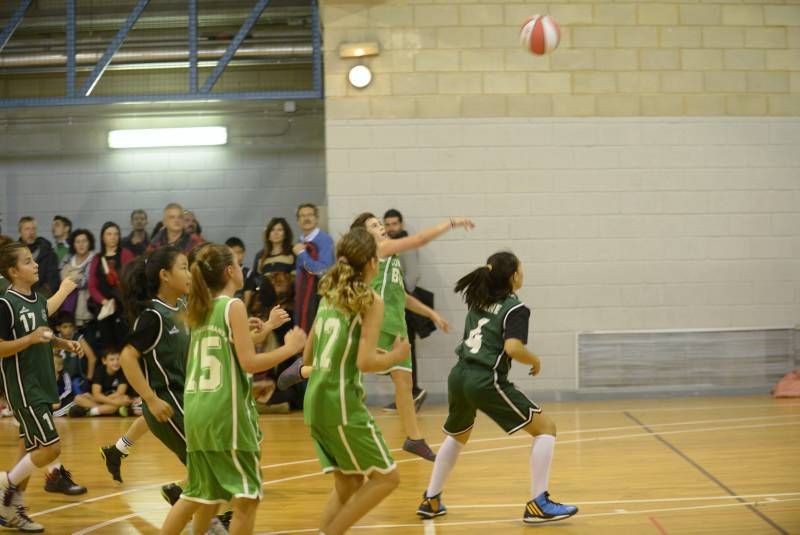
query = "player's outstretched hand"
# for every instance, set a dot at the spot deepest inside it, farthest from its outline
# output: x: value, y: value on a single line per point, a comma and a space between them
x: 463, y: 222
x: 440, y: 322
x: 277, y: 317
x: 160, y: 409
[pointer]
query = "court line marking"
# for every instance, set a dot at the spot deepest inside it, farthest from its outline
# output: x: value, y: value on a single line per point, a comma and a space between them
x: 414, y: 459
x: 377, y: 413
x: 650, y: 500
x: 319, y: 473
x: 568, y: 432
x: 425, y: 524
x: 517, y: 520
x: 675, y: 449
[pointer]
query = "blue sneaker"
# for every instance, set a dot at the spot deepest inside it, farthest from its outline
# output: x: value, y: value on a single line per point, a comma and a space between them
x: 431, y: 507
x: 543, y: 509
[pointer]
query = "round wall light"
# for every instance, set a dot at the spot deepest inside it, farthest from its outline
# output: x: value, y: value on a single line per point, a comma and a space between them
x: 359, y: 76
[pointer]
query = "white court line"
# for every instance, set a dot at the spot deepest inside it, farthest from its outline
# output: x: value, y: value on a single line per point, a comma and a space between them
x: 304, y: 476
x: 569, y: 432
x: 651, y: 500
x: 414, y: 459
x: 375, y: 411
x: 517, y: 520
x: 115, y: 520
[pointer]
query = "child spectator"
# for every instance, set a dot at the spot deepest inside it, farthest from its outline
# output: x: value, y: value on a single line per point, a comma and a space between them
x: 109, y: 391
x: 79, y: 367
x: 66, y: 394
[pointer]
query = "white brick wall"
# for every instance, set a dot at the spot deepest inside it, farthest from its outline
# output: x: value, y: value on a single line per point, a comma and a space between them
x: 620, y: 223
x: 265, y: 171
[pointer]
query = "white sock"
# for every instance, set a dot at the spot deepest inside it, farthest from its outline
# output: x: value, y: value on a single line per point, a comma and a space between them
x: 22, y: 470
x: 541, y: 458
x: 446, y: 459
x: 53, y: 468
x: 94, y: 411
x: 124, y: 444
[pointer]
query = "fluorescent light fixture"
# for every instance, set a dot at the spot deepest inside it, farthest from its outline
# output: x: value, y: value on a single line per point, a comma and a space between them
x: 168, y: 137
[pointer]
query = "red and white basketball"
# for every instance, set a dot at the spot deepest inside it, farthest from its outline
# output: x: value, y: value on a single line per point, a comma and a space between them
x: 540, y: 34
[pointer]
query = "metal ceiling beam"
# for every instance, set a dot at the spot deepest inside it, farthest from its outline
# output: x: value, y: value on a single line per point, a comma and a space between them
x: 90, y: 83
x: 192, y: 46
x: 70, y: 46
x: 16, y: 18
x: 248, y: 24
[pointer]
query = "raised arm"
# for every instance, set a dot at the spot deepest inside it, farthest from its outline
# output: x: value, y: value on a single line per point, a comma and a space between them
x: 418, y: 307
x: 423, y: 237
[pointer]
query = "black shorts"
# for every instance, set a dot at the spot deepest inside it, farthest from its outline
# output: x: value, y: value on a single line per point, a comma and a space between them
x: 472, y: 388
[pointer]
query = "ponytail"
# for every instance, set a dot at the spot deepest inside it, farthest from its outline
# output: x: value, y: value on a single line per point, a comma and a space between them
x: 208, y: 277
x: 141, y: 279
x: 343, y: 284
x: 490, y: 283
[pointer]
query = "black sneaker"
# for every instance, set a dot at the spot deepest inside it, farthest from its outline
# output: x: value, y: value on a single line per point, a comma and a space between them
x: 431, y: 507
x: 61, y: 481
x: 419, y: 447
x: 171, y: 493
x: 225, y: 519
x: 113, y: 458
x: 419, y: 399
x: 76, y: 411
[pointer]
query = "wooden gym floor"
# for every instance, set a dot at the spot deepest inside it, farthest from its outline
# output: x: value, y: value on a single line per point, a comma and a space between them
x: 652, y: 466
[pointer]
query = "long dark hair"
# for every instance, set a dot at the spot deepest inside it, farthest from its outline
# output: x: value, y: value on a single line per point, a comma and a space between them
x: 107, y: 225
x: 489, y: 283
x: 288, y: 238
x: 141, y: 281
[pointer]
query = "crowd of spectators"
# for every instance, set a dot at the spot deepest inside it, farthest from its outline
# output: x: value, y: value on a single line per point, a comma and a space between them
x: 283, y: 273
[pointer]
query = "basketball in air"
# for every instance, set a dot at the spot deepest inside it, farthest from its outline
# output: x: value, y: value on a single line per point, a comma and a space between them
x: 540, y: 34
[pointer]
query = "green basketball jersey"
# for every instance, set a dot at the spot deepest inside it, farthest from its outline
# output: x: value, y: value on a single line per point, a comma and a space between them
x: 388, y: 283
x: 164, y: 364
x: 335, y: 395
x: 219, y: 409
x: 482, y: 342
x: 29, y: 377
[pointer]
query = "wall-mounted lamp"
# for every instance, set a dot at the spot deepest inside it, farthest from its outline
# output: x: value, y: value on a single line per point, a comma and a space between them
x: 360, y: 75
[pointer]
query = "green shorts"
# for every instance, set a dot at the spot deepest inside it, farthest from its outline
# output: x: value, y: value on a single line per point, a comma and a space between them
x: 352, y: 449
x: 171, y: 433
x: 36, y: 426
x: 219, y: 476
x: 385, y: 343
x: 472, y: 388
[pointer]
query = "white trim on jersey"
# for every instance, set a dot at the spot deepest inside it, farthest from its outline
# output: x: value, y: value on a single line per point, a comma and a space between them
x: 342, y: 364
x: 386, y: 274
x: 347, y: 447
x: 378, y: 442
x: 233, y: 378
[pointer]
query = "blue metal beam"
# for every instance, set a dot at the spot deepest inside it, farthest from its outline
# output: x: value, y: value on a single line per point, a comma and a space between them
x: 16, y: 18
x: 192, y: 46
x: 116, y: 42
x: 158, y: 98
x: 70, y: 46
x: 316, y: 43
x: 249, y: 22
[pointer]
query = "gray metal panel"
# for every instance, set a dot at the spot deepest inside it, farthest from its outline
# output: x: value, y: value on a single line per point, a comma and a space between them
x: 684, y: 360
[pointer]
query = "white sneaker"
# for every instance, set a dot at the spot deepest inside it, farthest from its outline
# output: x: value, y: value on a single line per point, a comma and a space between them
x: 21, y: 521
x: 7, y: 510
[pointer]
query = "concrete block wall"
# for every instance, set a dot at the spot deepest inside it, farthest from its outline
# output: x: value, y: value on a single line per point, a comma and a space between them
x: 646, y: 171
x: 622, y: 224
x: 460, y: 58
x: 270, y: 165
